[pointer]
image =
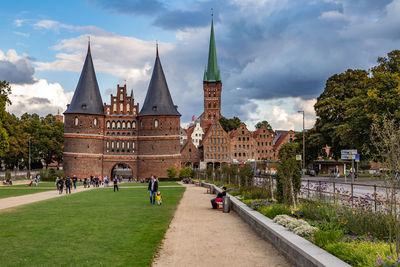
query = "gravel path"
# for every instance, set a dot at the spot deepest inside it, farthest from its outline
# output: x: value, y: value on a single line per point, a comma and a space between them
x: 201, y: 236
x: 11, y: 202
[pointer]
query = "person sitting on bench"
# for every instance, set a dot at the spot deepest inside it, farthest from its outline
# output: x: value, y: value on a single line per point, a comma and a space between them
x: 219, y: 198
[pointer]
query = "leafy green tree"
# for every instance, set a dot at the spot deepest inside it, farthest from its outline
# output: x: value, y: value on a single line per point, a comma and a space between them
x: 266, y: 124
x: 172, y: 172
x: 314, y: 142
x: 185, y: 172
x: 5, y: 90
x: 230, y: 124
x: 333, y: 103
x: 288, y: 175
x: 246, y: 175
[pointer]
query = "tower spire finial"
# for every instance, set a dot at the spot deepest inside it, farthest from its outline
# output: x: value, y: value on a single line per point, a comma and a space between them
x: 212, y: 13
x: 157, y: 47
x: 88, y: 43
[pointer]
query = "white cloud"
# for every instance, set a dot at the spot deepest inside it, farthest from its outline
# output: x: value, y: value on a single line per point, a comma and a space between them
x: 332, y: 14
x: 24, y: 34
x: 281, y: 113
x: 19, y: 22
x: 39, y: 97
x: 15, y: 68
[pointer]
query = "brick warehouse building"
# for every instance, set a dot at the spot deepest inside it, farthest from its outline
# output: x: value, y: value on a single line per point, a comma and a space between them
x: 99, y: 138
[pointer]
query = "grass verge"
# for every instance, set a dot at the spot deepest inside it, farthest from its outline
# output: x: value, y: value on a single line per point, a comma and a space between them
x: 92, y: 228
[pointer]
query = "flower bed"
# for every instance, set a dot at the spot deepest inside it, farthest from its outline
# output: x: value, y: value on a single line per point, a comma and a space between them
x: 339, y: 230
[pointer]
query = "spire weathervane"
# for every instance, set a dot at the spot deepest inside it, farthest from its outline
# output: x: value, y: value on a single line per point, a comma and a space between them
x: 88, y: 43
x: 212, y: 12
x: 156, y: 47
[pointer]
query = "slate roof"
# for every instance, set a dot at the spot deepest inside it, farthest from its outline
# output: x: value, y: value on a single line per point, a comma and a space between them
x: 158, y: 99
x: 87, y: 98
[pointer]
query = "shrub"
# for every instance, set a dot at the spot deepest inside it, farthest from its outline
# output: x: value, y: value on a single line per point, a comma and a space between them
x: 256, y: 193
x: 322, y: 238
x: 50, y: 174
x: 274, y: 210
x: 172, y: 172
x: 185, y: 172
x: 298, y: 226
x: 8, y: 174
x: 364, y: 253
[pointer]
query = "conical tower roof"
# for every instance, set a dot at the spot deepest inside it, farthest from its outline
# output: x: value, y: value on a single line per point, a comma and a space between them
x: 212, y: 73
x: 158, y: 99
x: 87, y: 98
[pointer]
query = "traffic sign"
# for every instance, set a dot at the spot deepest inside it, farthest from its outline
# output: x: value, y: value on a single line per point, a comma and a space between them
x: 347, y: 156
x: 298, y: 157
x: 349, y: 151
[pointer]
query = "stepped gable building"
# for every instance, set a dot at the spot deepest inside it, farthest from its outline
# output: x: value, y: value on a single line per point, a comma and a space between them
x: 100, y: 138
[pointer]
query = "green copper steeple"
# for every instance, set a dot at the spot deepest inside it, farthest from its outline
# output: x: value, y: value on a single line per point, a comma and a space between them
x: 212, y: 73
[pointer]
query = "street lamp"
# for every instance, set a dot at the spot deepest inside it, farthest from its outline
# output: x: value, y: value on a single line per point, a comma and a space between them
x: 304, y: 145
x: 29, y: 160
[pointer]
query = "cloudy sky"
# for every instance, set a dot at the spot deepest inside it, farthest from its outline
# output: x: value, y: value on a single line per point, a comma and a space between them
x: 274, y: 55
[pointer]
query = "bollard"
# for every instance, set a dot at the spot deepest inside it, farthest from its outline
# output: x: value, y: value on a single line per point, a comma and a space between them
x: 226, y: 208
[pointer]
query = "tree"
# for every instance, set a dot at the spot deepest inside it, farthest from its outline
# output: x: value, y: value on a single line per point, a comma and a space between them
x: 185, y: 172
x: 172, y: 172
x: 5, y: 90
x: 229, y: 124
x: 288, y: 176
x: 246, y: 175
x: 385, y: 137
x: 266, y: 124
x: 314, y: 142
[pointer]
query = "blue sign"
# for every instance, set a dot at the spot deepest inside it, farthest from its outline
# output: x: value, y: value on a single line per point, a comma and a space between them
x: 357, y: 157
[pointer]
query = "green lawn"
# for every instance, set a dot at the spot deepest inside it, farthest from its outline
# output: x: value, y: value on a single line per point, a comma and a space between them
x: 12, y: 192
x: 146, y: 184
x: 41, y: 184
x: 92, y: 228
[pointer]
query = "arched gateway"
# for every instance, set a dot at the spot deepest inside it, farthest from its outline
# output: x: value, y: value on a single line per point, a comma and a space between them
x: 122, y: 170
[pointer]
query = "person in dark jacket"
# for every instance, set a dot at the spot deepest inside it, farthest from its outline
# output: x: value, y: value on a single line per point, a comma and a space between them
x: 67, y: 186
x: 74, y: 181
x: 220, y: 197
x: 61, y: 185
x: 153, y: 188
x: 116, y: 183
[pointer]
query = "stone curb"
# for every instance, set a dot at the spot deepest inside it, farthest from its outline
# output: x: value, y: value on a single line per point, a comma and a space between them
x: 297, y: 250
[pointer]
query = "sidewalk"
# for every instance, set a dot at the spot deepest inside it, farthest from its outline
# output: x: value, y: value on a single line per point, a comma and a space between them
x: 11, y: 202
x: 201, y: 236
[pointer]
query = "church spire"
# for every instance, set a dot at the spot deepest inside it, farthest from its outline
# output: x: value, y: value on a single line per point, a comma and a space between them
x: 87, y: 98
x: 212, y: 73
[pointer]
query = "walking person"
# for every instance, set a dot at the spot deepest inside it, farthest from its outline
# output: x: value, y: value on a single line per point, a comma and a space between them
x: 153, y: 188
x: 67, y: 186
x: 116, y: 183
x: 74, y: 180
x: 61, y: 185
x: 57, y: 183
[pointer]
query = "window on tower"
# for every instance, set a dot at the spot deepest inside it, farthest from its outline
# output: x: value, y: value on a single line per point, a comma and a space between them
x: 123, y: 125
x: 155, y: 123
x: 118, y: 125
x: 128, y: 125
x: 121, y: 108
x: 115, y: 108
x: 76, y: 121
x: 108, y: 124
x: 95, y: 122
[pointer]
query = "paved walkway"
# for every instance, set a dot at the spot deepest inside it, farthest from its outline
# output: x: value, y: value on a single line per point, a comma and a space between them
x: 11, y: 202
x: 201, y: 236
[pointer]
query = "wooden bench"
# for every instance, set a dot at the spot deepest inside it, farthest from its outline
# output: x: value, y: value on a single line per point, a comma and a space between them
x: 220, y: 205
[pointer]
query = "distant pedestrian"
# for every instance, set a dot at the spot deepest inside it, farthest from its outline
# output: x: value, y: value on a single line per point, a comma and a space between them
x: 36, y: 182
x: 116, y: 183
x: 61, y: 185
x: 153, y: 188
x: 67, y: 186
x: 74, y: 180
x: 57, y: 183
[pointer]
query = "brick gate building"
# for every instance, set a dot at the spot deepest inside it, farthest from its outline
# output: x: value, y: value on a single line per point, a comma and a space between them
x: 99, y: 137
